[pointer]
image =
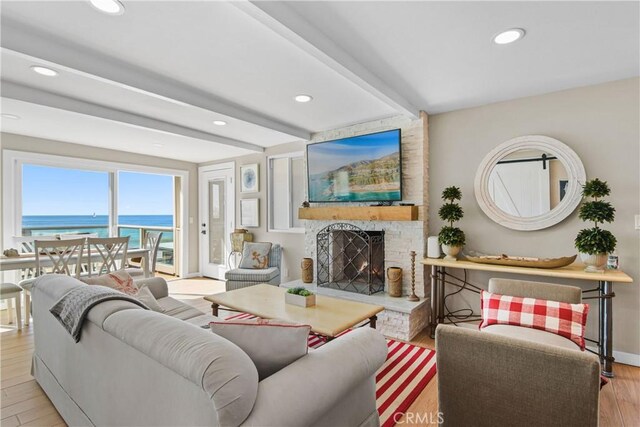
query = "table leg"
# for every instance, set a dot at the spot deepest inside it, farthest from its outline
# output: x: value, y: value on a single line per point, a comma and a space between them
x: 607, y: 338
x: 146, y: 270
x: 372, y: 321
x: 434, y: 297
x: 441, y: 295
x: 600, y: 320
x: 214, y: 309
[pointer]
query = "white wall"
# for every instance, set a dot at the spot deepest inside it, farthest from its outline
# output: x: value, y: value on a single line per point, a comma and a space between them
x: 601, y: 124
x: 45, y: 146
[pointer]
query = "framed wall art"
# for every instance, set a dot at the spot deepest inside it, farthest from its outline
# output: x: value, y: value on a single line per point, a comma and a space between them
x: 249, y: 178
x: 250, y: 212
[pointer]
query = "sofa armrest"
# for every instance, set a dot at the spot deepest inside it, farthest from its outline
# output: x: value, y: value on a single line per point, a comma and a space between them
x: 309, y: 388
x: 157, y: 286
x: 513, y: 381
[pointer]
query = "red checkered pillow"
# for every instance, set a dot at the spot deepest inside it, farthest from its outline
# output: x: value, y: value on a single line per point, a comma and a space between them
x: 564, y: 319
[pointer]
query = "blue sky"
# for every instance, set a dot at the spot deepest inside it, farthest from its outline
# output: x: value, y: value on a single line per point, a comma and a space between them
x: 57, y: 191
x: 329, y: 156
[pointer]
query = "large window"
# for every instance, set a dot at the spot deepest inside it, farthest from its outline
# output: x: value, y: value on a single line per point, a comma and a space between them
x: 286, y: 179
x: 64, y: 201
x: 54, y: 195
x: 146, y: 203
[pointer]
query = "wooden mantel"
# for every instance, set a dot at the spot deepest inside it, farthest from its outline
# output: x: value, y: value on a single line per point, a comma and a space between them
x: 363, y: 213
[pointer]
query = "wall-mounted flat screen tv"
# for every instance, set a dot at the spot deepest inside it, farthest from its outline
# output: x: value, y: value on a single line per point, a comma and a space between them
x: 365, y: 168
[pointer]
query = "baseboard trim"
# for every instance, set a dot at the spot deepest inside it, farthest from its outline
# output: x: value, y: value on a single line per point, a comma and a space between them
x: 627, y: 358
x: 192, y: 275
x: 622, y: 357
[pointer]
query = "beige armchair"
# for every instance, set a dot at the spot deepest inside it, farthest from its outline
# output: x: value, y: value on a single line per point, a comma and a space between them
x: 509, y: 375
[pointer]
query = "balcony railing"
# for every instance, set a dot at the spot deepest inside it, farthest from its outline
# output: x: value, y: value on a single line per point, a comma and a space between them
x: 100, y: 230
x: 166, y: 253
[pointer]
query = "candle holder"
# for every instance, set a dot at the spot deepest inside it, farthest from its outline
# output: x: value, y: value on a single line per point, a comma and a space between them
x: 413, y: 296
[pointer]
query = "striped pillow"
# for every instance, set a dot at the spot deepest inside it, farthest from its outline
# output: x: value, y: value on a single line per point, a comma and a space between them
x: 561, y: 318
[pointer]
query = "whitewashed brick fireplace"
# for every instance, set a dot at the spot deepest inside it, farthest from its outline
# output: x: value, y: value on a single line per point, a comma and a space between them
x: 401, y: 237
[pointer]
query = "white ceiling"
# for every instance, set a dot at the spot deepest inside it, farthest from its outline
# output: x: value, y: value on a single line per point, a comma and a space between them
x: 164, y: 70
x: 442, y: 58
x: 60, y: 125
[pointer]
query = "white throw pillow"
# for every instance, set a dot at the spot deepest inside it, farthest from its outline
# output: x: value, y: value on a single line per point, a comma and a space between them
x: 145, y: 296
x: 271, y: 344
x: 119, y: 280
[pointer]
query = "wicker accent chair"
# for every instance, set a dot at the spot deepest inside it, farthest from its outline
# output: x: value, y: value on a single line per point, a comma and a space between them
x: 238, y: 278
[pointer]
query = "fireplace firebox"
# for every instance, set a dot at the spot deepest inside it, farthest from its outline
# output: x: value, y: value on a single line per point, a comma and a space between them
x: 350, y: 259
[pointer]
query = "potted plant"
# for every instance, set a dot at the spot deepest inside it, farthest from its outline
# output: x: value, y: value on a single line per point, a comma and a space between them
x: 451, y: 238
x: 595, y: 244
x: 300, y: 297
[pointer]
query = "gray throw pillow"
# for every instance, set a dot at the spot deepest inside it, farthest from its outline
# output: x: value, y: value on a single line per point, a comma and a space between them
x: 255, y: 255
x: 271, y: 344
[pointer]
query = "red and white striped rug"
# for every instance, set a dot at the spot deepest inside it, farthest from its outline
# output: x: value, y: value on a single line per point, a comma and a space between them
x: 406, y: 372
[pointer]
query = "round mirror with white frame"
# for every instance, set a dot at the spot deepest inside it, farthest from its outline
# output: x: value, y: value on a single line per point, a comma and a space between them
x: 530, y: 183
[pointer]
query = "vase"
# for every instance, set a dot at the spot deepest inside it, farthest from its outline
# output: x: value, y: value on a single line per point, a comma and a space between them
x: 238, y: 237
x: 594, y: 262
x: 394, y: 274
x: 307, y: 270
x: 451, y: 252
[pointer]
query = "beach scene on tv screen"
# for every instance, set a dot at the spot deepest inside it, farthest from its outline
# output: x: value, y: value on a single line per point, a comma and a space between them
x: 363, y: 168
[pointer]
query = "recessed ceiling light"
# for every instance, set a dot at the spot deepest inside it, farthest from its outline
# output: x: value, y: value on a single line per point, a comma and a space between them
x: 110, y: 7
x: 219, y: 122
x: 157, y: 144
x: 509, y: 36
x: 44, y: 71
x: 10, y: 116
x: 303, y: 98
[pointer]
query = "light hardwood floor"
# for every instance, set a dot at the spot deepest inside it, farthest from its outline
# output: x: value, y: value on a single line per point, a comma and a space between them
x: 22, y: 402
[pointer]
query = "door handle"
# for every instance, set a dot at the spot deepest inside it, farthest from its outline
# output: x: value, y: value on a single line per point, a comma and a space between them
x: 204, y: 231
x: 204, y: 225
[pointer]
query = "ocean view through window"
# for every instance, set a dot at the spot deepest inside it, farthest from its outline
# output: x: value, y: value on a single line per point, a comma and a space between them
x: 50, y: 206
x: 146, y: 203
x: 58, y: 201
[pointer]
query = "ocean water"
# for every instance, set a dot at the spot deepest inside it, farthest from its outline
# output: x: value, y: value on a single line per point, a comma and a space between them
x: 39, y: 225
x: 318, y: 188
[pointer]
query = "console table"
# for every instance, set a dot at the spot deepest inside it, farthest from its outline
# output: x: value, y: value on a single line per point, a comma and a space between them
x: 604, y: 296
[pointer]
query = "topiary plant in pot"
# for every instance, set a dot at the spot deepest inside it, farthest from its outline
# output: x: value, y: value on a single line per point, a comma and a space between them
x: 451, y: 238
x: 594, y: 244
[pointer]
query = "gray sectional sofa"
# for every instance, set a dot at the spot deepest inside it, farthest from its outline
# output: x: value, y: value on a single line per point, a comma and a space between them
x: 138, y: 367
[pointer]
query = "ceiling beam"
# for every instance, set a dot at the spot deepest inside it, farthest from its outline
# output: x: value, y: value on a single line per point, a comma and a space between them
x: 34, y: 43
x: 283, y: 20
x: 28, y: 94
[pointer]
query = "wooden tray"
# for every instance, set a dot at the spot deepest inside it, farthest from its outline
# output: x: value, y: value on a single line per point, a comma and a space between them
x: 522, y: 261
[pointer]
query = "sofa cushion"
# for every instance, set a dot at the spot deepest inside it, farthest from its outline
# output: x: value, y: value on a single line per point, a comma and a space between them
x: 253, y: 275
x: 564, y: 319
x: 271, y: 344
x: 532, y: 335
x: 203, y: 320
x: 255, y: 255
x: 174, y: 308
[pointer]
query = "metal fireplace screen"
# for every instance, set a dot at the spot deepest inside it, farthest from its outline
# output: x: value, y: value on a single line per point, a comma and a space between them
x: 350, y: 259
